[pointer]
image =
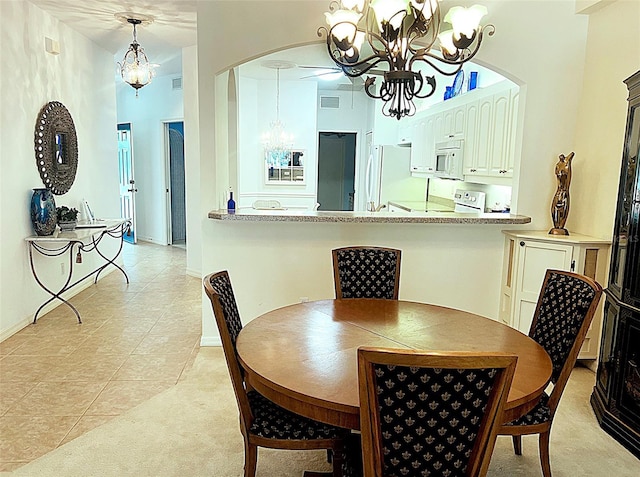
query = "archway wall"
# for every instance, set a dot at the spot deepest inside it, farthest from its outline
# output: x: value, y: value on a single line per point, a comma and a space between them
x: 538, y: 44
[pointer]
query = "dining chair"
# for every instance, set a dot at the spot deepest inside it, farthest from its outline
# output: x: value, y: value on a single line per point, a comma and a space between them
x: 366, y: 272
x: 430, y: 413
x: 565, y: 308
x: 262, y: 422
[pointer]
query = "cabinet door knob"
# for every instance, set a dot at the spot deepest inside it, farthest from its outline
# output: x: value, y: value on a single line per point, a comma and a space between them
x: 522, y: 244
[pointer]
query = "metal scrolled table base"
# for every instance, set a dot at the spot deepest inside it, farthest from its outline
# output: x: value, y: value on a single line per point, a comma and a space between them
x: 117, y: 231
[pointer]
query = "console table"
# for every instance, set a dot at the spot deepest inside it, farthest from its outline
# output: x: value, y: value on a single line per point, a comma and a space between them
x: 85, y: 238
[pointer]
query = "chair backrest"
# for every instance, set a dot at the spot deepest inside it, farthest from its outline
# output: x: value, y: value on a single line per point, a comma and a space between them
x: 565, y: 308
x: 219, y: 290
x: 430, y: 413
x: 366, y: 272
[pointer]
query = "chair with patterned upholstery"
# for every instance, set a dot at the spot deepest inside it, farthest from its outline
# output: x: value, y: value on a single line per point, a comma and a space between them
x: 366, y: 272
x: 262, y: 422
x: 565, y: 308
x: 430, y: 413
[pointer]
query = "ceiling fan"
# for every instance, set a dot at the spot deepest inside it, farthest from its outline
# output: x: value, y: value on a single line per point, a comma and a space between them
x: 334, y: 70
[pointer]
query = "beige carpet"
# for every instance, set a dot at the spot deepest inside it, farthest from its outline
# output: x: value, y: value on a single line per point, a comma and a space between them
x: 192, y: 430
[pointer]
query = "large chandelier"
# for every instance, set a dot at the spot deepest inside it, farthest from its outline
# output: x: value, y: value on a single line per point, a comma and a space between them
x: 277, y: 142
x: 135, y: 68
x: 363, y: 34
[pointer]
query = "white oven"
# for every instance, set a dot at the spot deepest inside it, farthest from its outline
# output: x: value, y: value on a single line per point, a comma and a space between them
x: 469, y: 201
x: 449, y: 160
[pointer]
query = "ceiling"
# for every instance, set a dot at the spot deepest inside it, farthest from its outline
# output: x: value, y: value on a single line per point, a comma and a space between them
x: 173, y: 27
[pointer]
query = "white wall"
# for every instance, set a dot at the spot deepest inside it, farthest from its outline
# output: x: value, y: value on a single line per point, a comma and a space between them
x: 611, y: 58
x: 81, y: 77
x: 156, y: 103
x: 192, y: 158
x: 257, y: 109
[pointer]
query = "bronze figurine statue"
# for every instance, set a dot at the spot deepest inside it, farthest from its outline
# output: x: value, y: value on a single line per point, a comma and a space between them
x: 560, y: 204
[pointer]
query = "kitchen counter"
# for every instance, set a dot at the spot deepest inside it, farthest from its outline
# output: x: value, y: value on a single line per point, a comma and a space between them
x: 428, y: 217
x: 421, y: 206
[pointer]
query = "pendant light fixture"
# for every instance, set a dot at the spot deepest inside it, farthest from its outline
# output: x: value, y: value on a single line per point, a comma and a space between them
x: 397, y: 36
x: 135, y: 68
x: 277, y: 142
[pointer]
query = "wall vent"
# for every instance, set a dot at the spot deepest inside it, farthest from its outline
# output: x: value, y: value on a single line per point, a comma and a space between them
x: 176, y: 83
x: 329, y: 102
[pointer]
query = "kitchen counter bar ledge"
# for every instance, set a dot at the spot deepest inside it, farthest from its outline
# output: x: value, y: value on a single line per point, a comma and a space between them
x: 250, y: 215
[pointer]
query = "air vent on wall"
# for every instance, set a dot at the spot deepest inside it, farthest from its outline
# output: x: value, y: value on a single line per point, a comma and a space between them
x: 176, y: 83
x: 329, y: 102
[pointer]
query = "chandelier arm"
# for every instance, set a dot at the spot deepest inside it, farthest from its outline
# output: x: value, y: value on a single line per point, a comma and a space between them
x: 422, y: 54
x: 431, y: 81
x: 428, y: 59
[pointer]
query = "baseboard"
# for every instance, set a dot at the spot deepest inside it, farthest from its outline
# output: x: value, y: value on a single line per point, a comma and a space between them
x: 210, y: 341
x: 193, y: 273
x: 8, y: 333
x: 83, y: 285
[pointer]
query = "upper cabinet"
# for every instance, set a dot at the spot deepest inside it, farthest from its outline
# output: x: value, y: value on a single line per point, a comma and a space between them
x: 490, y: 143
x: 405, y: 132
x: 485, y: 119
x: 423, y: 146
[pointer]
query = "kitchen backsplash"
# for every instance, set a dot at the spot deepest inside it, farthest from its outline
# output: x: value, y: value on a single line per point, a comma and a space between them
x: 497, y: 197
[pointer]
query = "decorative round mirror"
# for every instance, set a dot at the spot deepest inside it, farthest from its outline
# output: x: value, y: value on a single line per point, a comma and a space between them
x: 56, y: 147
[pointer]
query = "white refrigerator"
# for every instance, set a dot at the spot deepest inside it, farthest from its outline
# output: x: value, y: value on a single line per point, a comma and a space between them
x: 388, y: 177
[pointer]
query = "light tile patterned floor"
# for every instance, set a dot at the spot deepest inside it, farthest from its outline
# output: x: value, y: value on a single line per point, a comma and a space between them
x: 60, y: 379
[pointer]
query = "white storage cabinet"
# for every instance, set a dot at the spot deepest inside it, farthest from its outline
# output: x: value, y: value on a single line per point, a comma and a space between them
x: 528, y: 255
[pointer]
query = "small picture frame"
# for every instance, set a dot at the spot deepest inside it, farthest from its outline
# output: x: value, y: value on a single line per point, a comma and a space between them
x: 285, y: 167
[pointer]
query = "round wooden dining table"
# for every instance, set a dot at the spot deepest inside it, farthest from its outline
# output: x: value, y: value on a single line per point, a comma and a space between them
x: 304, y: 356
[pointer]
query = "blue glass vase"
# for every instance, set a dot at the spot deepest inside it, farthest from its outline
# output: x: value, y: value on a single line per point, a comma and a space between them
x: 43, y: 211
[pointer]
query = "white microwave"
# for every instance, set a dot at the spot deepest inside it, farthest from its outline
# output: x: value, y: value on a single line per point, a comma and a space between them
x: 450, y: 160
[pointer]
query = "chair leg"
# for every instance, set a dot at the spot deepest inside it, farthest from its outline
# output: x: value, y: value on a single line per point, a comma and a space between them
x: 517, y: 444
x: 543, y: 444
x: 337, y: 460
x: 250, y: 459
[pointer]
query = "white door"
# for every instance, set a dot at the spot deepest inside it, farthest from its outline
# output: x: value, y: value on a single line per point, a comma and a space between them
x: 127, y: 181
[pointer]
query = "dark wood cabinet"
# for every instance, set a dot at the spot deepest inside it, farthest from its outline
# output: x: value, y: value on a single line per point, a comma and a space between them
x: 616, y: 396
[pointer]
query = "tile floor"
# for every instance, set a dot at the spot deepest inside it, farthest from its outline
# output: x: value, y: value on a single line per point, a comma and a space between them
x: 60, y: 379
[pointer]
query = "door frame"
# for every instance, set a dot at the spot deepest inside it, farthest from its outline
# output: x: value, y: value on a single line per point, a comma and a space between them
x: 167, y: 175
x: 133, y: 230
x: 356, y: 173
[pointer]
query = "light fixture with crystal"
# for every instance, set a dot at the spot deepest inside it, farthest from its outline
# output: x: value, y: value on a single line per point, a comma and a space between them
x: 364, y: 34
x: 277, y: 142
x: 135, y: 68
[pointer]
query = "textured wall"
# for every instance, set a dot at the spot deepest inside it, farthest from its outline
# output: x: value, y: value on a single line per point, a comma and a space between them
x: 82, y: 78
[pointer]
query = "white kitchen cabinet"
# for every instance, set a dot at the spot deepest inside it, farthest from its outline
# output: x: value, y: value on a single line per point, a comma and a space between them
x: 453, y: 123
x: 528, y: 255
x: 405, y: 131
x: 478, y: 138
x: 422, y: 146
x: 500, y: 135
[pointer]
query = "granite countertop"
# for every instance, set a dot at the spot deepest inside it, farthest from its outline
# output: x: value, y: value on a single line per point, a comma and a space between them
x: 251, y: 215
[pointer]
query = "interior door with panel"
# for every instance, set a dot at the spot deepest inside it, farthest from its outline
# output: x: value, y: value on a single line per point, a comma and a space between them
x: 127, y: 180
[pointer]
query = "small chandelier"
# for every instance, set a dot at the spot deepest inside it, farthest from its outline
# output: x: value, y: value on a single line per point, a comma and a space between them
x: 401, y: 33
x: 277, y: 142
x: 135, y: 68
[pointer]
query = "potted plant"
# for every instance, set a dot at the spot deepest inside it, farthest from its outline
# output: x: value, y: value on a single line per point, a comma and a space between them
x: 67, y: 217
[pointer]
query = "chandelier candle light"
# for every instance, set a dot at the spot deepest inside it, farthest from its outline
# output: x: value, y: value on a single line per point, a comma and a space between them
x: 135, y: 68
x: 363, y: 34
x: 277, y: 142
